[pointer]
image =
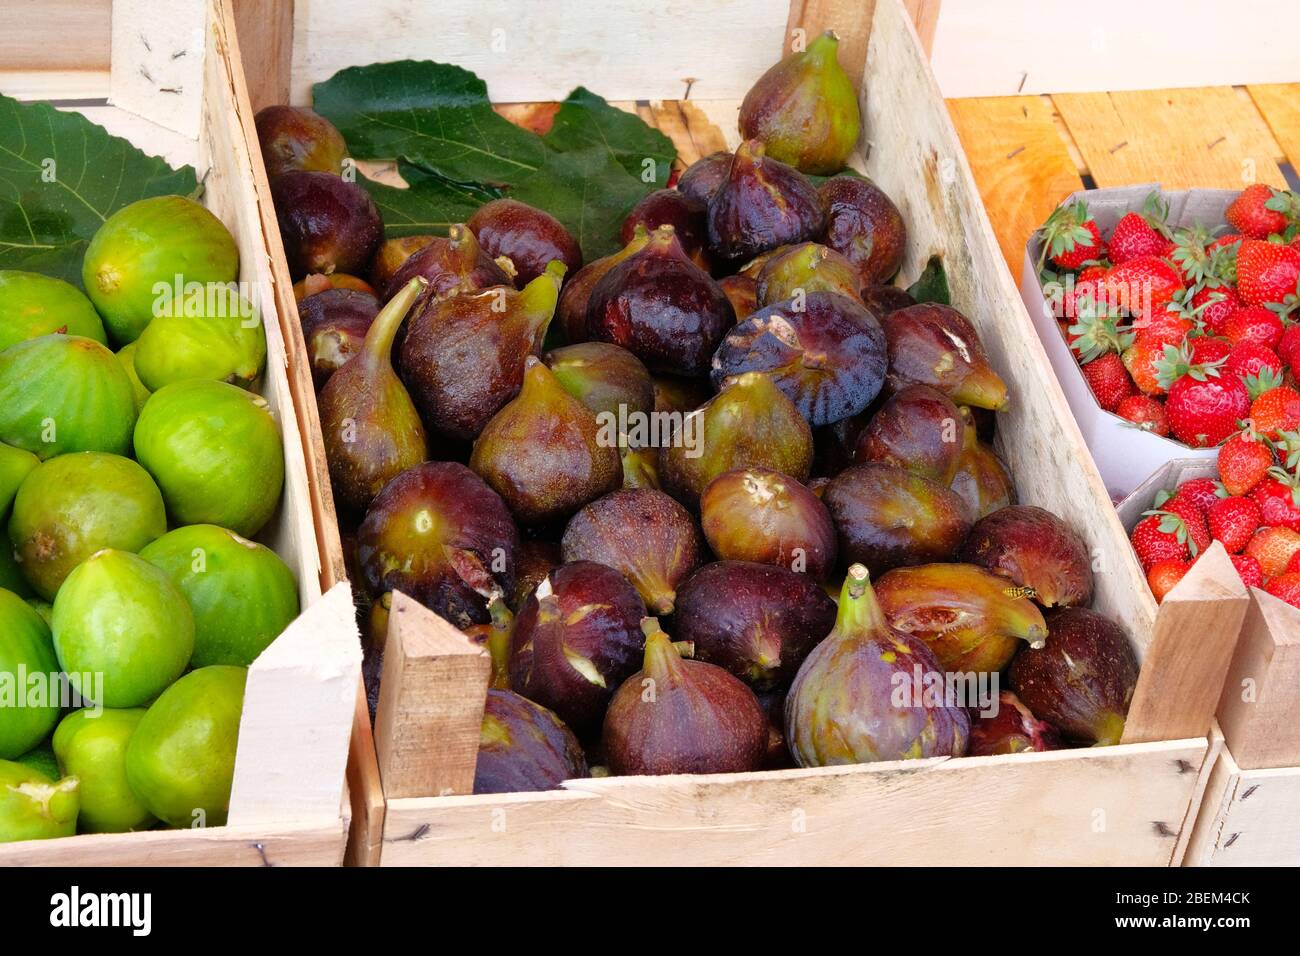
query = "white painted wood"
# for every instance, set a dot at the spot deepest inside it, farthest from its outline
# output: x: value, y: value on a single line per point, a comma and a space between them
x: 157, y: 61
x: 55, y: 85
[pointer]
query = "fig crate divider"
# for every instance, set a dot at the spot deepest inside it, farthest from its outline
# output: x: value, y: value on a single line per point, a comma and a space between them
x: 289, y: 799
x: 1128, y: 804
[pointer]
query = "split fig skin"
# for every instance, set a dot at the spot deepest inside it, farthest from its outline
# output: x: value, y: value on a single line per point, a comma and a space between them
x: 808, y: 267
x: 640, y: 467
x: 1033, y: 549
x: 451, y: 265
x: 828, y: 357
x: 392, y: 255
x: 864, y: 226
x: 536, y: 559
x: 644, y: 535
x: 523, y: 747
x: 544, y: 452
x: 757, y: 621
x: 763, y: 204
x: 761, y: 515
x: 742, y: 292
x: 884, y: 299
x: 327, y: 223
x: 527, y: 236
x: 576, y: 294
x: 805, y: 109
x: 661, y: 307
x: 438, y: 534
x: 918, y: 429
x: 334, y: 326
x: 316, y: 282
x: 1012, y: 730
x: 371, y: 429
x: 704, y: 177
x: 887, y: 517
x: 682, y: 716
x: 972, y: 619
x: 671, y: 207
x: 576, y: 639
x: 295, y: 138
x: 982, y: 481
x: 844, y: 705
x: 604, y: 377
x: 936, y: 345
x: 1082, y: 680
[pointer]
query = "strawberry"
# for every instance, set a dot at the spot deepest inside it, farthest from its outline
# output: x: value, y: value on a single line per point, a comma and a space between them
x: 1288, y: 346
x: 1201, y: 492
x: 1141, y: 234
x: 1232, y: 521
x: 1070, y: 238
x: 1286, y: 587
x: 1093, y: 335
x: 1152, y: 543
x: 1146, y: 413
x: 1275, y: 409
x: 1250, y: 215
x: 1203, y: 405
x: 1253, y: 323
x: 1109, y: 380
x: 1249, y: 359
x: 1207, y: 350
x: 1189, y: 512
x: 1294, y: 564
x: 1268, y: 273
x: 1143, y: 286
x: 1244, y: 461
x: 1248, y: 569
x: 1142, y: 359
x: 1273, y: 548
x: 1278, y: 497
x: 1164, y: 575
x: 1213, y: 306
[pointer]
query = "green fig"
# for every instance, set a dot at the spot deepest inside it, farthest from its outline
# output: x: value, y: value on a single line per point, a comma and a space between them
x: 35, y: 807
x: 26, y: 652
x: 210, y: 332
x: 91, y: 746
x: 32, y: 305
x: 606, y: 378
x: 15, y: 465
x: 808, y: 267
x: 41, y: 758
x: 126, y: 355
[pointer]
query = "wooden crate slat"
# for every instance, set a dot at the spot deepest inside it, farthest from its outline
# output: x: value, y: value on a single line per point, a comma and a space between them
x: 1279, y: 104
x: 1207, y: 137
x: 1021, y: 165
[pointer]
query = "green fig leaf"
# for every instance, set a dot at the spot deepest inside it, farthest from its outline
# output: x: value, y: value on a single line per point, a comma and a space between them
x: 429, y: 204
x: 932, y: 285
x: 61, y: 176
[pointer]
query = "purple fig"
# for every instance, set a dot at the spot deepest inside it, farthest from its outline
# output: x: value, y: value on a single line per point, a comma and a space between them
x: 536, y: 559
x: 919, y: 429
x: 463, y: 357
x: 1035, y: 550
x: 778, y: 754
x: 682, y: 716
x: 937, y: 346
x: 440, y: 535
x: 392, y: 255
x: 982, y: 481
x: 1012, y: 730
x: 806, y: 268
x: 970, y: 618
x: 887, y: 517
x: 1082, y: 680
x: 844, y: 706
x: 757, y: 514
x: 665, y: 548
x: 576, y: 639
x: 881, y: 300
x: 577, y: 291
x: 296, y: 138
x: 452, y: 265
x: 316, y: 282
x: 864, y: 226
x: 524, y: 747
x: 757, y: 621
x: 680, y: 394
x: 543, y: 452
x: 661, y: 307
x: 805, y: 109
x: 334, y: 326
x: 526, y: 236
x: 828, y: 356
x: 327, y: 223
x: 704, y: 177
x: 370, y: 428
x: 762, y: 204
x: 606, y: 378
x: 669, y: 207
x: 742, y: 292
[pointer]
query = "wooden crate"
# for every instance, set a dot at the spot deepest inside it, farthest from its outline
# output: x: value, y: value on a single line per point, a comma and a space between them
x: 1129, y: 804
x: 288, y: 800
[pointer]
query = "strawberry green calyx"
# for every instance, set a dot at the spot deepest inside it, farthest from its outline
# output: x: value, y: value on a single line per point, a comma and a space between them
x: 1287, y: 203
x: 1156, y: 213
x: 1289, y: 304
x: 1289, y: 478
x: 1173, y: 523
x: 1176, y: 362
x: 1064, y: 230
x: 1265, y: 380
x: 1098, y: 334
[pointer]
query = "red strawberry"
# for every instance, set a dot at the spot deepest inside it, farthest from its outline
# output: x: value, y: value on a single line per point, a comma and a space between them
x: 1093, y: 335
x: 1273, y: 548
x: 1286, y: 348
x: 1244, y: 461
x: 1294, y: 563
x: 1286, y: 587
x: 1187, y: 510
x: 1233, y: 521
x: 1201, y: 492
x: 1274, y: 410
x: 1146, y: 413
x: 1134, y: 236
x: 1164, y: 575
x: 1248, y: 569
x: 1203, y: 405
x: 1278, y: 497
x: 1207, y: 350
x: 1070, y: 237
x: 1268, y: 273
x: 1108, y: 380
x: 1213, y: 306
x: 1151, y: 543
x: 1253, y: 323
x: 1249, y: 215
x: 1249, y: 359
x: 1143, y: 286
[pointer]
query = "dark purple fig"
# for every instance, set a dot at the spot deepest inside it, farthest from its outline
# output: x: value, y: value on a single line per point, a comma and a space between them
x: 392, y: 255
x: 828, y: 356
x: 644, y: 535
x: 844, y: 706
x: 327, y: 223
x: 884, y: 299
x: 670, y: 207
x: 1036, y: 550
x: 864, y: 226
x: 762, y: 204
x: 463, y: 357
x: 982, y: 481
x: 919, y: 429
x: 805, y: 109
x: 526, y: 236
x: 680, y: 394
x: 523, y: 747
x: 296, y: 138
x: 370, y: 428
x: 1012, y: 730
x: 972, y: 619
x: 750, y: 423
x: 543, y: 452
x: 452, y: 265
x: 936, y: 345
x: 440, y: 535
x: 742, y: 292
x: 704, y: 177
x: 807, y: 267
x: 1082, y: 680
x: 536, y: 559
x: 757, y: 621
x: 316, y: 282
x: 682, y: 716
x: 576, y: 639
x: 661, y: 307
x: 640, y: 467
x: 334, y: 326
x: 577, y: 291
x: 887, y: 517
x: 607, y: 379
x: 757, y: 514
x: 778, y: 754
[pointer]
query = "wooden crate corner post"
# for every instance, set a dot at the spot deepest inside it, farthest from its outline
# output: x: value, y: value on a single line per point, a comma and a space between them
x: 1259, y: 709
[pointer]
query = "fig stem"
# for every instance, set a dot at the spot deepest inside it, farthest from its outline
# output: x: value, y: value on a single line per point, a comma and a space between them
x: 663, y: 662
x: 379, y: 340
x: 859, y: 611
x: 540, y: 297
x: 498, y: 643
